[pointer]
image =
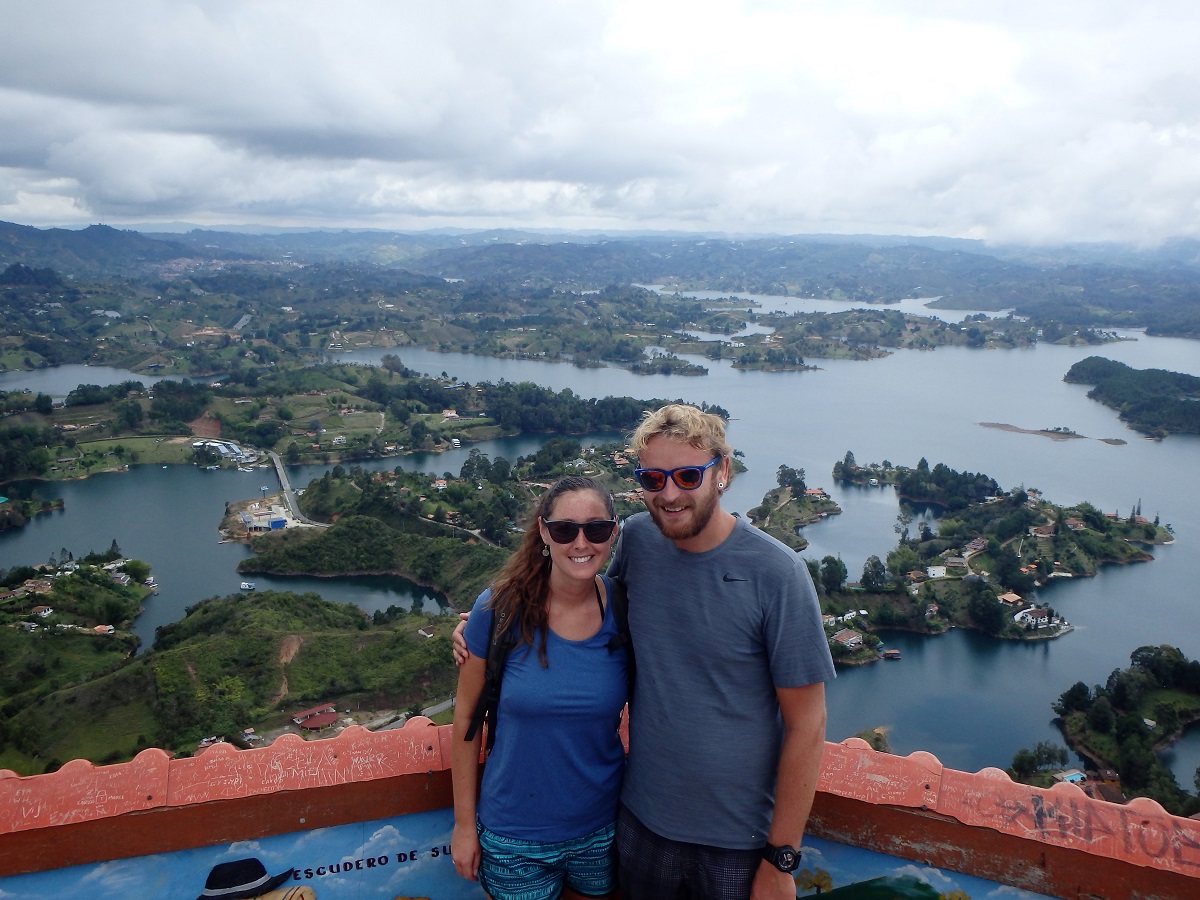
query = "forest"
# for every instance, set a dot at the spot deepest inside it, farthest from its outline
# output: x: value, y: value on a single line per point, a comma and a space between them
x: 1136, y: 712
x: 1153, y: 401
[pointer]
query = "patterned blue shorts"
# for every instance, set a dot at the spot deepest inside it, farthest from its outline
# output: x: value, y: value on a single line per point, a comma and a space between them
x: 513, y: 869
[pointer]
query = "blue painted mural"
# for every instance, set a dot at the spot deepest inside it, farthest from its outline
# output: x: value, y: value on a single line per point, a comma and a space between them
x: 408, y: 857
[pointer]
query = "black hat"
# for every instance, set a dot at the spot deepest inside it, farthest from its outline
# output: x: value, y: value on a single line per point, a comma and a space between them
x: 240, y: 879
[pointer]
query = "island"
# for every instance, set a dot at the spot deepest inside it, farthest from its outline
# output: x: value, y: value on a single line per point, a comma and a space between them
x: 985, y: 568
x: 319, y: 414
x: 792, y: 505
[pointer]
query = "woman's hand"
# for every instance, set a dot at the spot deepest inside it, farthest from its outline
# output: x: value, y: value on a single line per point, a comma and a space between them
x: 461, y: 653
x: 464, y: 850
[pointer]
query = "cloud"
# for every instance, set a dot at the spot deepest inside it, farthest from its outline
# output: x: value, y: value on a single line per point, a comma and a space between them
x: 1079, y: 121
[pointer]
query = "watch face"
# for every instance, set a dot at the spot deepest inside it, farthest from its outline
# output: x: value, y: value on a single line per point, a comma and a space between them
x: 785, y: 859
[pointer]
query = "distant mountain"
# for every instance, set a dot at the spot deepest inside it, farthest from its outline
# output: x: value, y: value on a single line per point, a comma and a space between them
x: 383, y: 248
x: 1075, y: 287
x: 95, y: 251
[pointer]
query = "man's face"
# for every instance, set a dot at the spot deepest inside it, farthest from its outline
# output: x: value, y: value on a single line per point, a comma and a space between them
x: 681, y: 515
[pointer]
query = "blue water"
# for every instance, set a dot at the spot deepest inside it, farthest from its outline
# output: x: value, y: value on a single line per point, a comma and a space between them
x: 971, y: 701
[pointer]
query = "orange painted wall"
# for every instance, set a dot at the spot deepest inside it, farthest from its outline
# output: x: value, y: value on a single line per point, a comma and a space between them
x: 1059, y: 842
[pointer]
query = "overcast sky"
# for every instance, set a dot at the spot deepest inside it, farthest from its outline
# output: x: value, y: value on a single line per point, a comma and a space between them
x: 1019, y: 121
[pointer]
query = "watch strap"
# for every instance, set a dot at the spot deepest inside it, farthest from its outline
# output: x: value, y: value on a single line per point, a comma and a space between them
x: 785, y: 858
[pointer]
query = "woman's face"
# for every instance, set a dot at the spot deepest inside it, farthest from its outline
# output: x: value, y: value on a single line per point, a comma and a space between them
x: 580, y: 558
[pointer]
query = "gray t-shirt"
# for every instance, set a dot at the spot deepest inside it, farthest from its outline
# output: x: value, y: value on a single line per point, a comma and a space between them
x: 715, y: 633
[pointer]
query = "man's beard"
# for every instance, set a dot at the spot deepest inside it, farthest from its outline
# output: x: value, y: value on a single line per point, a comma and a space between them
x: 702, y: 509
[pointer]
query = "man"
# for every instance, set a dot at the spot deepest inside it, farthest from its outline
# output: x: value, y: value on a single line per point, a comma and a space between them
x: 728, y: 720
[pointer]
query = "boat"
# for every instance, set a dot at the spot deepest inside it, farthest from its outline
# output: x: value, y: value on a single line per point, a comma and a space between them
x: 247, y: 585
x: 891, y: 654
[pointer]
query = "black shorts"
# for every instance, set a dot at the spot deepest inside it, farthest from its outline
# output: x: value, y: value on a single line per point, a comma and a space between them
x: 652, y: 867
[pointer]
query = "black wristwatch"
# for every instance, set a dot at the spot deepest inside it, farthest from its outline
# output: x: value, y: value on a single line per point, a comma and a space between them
x: 785, y: 859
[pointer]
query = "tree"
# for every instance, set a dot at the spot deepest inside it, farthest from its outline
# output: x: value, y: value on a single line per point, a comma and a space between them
x: 874, y: 575
x: 833, y: 574
x: 137, y: 570
x: 1075, y: 698
x: 476, y: 467
x: 817, y: 880
x: 986, y: 610
x: 392, y: 363
x: 1100, y: 716
x: 1024, y: 763
x: 127, y: 414
x: 1165, y: 663
x: 1127, y: 688
x: 787, y: 477
x: 901, y: 561
x: 501, y: 470
x: 1049, y: 755
x: 1166, y: 717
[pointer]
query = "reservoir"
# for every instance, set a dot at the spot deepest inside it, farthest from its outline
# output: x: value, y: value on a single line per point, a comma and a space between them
x: 970, y: 700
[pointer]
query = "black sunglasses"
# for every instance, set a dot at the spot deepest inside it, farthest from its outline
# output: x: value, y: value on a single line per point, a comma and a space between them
x: 687, y: 478
x: 564, y: 531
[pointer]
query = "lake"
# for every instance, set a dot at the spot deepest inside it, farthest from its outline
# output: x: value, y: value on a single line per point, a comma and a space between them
x: 971, y: 701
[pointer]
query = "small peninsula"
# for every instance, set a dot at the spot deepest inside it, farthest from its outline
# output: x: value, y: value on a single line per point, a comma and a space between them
x: 1155, y: 402
x: 1122, y: 725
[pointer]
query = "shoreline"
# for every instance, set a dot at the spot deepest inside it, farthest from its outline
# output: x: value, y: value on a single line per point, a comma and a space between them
x: 1053, y: 435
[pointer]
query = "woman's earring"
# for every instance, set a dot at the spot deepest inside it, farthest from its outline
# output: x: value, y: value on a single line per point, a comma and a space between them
x: 545, y: 549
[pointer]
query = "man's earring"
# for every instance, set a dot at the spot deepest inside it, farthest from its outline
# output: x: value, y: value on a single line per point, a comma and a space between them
x: 720, y: 484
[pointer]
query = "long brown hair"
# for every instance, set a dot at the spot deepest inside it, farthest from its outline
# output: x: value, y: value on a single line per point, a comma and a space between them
x: 524, y: 582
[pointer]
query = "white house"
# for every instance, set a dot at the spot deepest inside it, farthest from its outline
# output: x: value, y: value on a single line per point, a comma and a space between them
x: 848, y: 638
x: 1038, y: 618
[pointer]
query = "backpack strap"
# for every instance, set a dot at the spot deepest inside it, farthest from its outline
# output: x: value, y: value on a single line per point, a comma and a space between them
x: 618, y: 600
x: 501, y: 640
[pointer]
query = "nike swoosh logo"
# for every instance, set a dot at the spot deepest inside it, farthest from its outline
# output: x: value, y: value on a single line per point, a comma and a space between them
x: 728, y: 577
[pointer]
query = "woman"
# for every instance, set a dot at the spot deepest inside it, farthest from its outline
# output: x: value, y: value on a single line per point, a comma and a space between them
x: 542, y: 821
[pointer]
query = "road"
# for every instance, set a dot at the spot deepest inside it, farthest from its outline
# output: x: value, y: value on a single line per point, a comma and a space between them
x: 289, y: 495
x: 429, y: 711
